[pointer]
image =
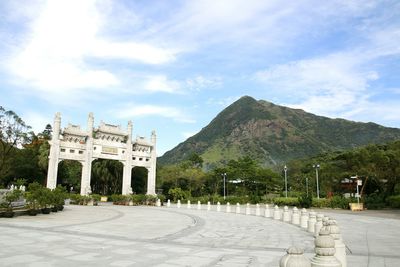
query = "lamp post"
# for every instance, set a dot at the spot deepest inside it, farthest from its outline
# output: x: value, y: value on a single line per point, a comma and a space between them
x: 285, y: 169
x: 316, y: 166
x: 224, y: 175
x: 307, y: 185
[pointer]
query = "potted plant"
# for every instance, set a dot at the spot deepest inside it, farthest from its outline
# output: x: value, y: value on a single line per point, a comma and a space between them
x: 32, y: 198
x: 10, y: 197
x: 45, y: 200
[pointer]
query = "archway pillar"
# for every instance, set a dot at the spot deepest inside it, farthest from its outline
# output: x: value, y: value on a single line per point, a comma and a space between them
x: 54, y: 153
x: 126, y: 178
x: 151, y: 174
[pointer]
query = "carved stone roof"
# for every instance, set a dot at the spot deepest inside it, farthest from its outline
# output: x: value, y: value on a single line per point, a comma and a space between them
x: 111, y: 129
x: 142, y: 141
x: 74, y: 130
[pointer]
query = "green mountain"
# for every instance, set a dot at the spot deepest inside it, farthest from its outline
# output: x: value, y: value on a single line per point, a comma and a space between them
x: 274, y: 134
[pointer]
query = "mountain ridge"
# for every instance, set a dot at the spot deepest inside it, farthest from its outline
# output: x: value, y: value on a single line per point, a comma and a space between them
x: 274, y: 134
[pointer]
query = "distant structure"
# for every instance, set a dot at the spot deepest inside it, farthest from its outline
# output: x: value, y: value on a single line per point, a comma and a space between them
x: 104, y: 142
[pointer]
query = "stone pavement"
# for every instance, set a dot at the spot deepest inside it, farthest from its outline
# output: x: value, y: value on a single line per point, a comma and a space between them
x: 149, y: 236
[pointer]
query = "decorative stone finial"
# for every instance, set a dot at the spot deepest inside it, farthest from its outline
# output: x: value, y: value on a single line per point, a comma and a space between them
x: 325, y: 251
x: 294, y: 258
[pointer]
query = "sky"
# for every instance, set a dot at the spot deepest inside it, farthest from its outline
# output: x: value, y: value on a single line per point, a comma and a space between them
x: 172, y: 66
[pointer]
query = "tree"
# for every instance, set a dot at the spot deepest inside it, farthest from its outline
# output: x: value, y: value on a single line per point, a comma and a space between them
x: 13, y: 134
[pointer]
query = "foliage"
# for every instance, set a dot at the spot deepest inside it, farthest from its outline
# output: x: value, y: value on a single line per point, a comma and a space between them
x: 12, y: 196
x: 393, y: 201
x: 375, y: 201
x: 290, y: 201
x: 177, y: 193
x: 305, y: 201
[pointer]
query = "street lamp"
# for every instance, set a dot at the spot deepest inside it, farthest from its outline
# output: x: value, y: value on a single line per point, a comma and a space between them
x: 316, y: 166
x: 307, y: 185
x: 224, y: 175
x: 285, y: 169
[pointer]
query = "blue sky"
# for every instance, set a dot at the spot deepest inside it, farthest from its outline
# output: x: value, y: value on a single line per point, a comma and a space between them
x: 172, y: 66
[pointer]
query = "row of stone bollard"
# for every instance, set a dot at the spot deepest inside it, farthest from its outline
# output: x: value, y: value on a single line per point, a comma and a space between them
x: 323, y: 228
x: 329, y: 247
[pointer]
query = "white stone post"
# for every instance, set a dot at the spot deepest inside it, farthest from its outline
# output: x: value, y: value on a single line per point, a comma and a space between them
x: 54, y: 153
x: 340, y: 247
x: 178, y: 205
x: 168, y: 203
x: 208, y: 205
x: 294, y: 258
x: 218, y: 206
x: 257, y: 209
x: 151, y: 175
x: 277, y: 213
x: 158, y: 203
x: 198, y: 205
x: 267, y: 212
x: 318, y: 224
x: 286, y: 215
x: 311, y: 222
x: 304, y: 219
x: 248, y: 211
x: 127, y: 171
x: 188, y: 205
x: 87, y: 163
x: 295, y: 216
x: 325, y: 220
x: 237, y: 208
x: 228, y: 207
x: 325, y: 251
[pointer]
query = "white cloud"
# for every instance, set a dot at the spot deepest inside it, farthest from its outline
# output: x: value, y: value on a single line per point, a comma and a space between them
x: 64, y: 38
x: 325, y: 85
x: 160, y: 83
x: 36, y: 120
x: 132, y: 110
x: 223, y: 102
x: 200, y: 82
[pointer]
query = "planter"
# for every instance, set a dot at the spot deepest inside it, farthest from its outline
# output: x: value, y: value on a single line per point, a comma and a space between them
x: 8, y: 214
x: 356, y: 206
x: 33, y: 212
x: 46, y: 210
x: 60, y: 207
x: 54, y: 209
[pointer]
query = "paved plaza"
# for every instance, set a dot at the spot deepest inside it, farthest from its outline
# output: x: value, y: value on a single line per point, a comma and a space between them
x: 110, y: 235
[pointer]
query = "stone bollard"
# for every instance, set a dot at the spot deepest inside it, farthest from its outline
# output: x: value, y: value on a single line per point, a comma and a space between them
x: 198, y: 205
x: 340, y: 248
x: 228, y: 207
x: 311, y: 222
x: 304, y: 219
x: 325, y: 251
x: 318, y: 224
x: 237, y: 208
x: 294, y: 258
x: 168, y: 203
x: 178, y: 205
x: 248, y: 212
x: 218, y: 206
x: 277, y: 213
x: 257, y: 209
x: 295, y: 216
x: 267, y: 212
x: 158, y: 203
x: 188, y: 205
x: 208, y: 205
x: 286, y: 215
x: 325, y: 220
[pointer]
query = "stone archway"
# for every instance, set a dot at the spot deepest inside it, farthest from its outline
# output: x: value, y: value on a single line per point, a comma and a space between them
x: 104, y: 142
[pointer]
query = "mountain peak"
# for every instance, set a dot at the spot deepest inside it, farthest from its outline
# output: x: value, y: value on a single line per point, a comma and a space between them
x: 274, y: 134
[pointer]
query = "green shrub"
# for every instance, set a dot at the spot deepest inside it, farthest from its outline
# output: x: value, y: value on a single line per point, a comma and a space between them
x: 393, y: 201
x: 138, y: 199
x: 177, y: 193
x: 151, y: 200
x: 339, y: 202
x: 283, y: 201
x: 320, y: 203
x: 375, y: 201
x: 95, y: 197
x: 305, y: 201
x: 118, y: 199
